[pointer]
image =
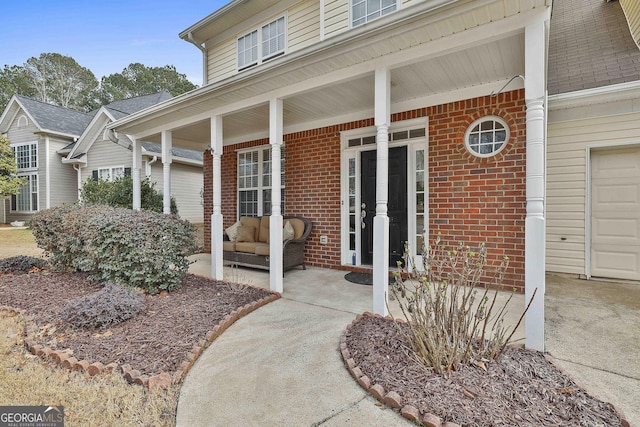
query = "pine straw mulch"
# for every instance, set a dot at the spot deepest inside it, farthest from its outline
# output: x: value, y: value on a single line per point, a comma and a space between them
x: 521, y: 389
x: 158, y: 339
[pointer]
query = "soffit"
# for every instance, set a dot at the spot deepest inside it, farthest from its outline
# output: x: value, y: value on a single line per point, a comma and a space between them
x: 415, y: 72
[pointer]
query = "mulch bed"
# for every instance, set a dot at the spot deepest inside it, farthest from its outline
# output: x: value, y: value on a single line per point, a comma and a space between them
x: 156, y: 340
x: 522, y: 388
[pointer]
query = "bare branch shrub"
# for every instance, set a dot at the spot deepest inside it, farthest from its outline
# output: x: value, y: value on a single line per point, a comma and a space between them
x: 452, y: 307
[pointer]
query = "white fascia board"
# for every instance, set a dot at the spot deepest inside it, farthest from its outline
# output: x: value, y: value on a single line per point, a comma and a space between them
x: 82, y: 161
x: 210, y: 18
x: 174, y: 158
x: 82, y: 139
x: 5, y: 114
x: 599, y: 95
x: 56, y: 133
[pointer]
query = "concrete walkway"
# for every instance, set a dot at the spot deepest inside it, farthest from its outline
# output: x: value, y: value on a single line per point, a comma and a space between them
x: 280, y: 365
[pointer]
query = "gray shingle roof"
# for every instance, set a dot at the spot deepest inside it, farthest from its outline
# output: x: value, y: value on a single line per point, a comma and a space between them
x: 54, y: 118
x: 178, y: 152
x: 124, y: 107
x: 590, y: 46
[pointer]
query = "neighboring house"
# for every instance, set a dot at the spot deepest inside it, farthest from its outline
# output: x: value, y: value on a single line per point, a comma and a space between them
x: 442, y: 99
x: 96, y: 156
x: 58, y: 149
x: 36, y: 131
x: 593, y: 160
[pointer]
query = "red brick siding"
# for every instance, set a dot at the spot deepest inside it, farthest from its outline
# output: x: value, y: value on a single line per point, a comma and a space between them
x: 471, y: 200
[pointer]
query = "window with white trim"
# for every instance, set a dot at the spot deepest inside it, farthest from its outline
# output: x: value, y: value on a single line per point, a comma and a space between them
x: 262, y: 44
x: 27, y: 199
x: 363, y: 11
x: 110, y: 173
x: 486, y: 136
x: 26, y: 155
x: 254, y: 182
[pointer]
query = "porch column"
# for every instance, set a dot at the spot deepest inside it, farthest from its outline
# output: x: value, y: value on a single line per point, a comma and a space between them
x: 276, y: 270
x: 167, y: 144
x: 534, y: 258
x: 382, y: 119
x: 216, y: 217
x: 136, y: 172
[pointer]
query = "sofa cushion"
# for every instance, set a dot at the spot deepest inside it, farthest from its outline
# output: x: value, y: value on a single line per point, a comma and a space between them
x: 262, y: 249
x: 263, y: 236
x: 232, y: 231
x: 298, y: 227
x: 287, y: 231
x: 245, y: 234
x: 254, y: 222
x: 248, y: 247
x: 229, y: 246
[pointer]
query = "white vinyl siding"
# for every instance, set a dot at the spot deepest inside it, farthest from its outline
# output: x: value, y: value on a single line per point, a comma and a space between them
x: 304, y: 25
x: 632, y: 12
x: 336, y: 17
x: 221, y: 60
x: 567, y: 182
x: 186, y: 184
x: 63, y: 178
x: 105, y: 155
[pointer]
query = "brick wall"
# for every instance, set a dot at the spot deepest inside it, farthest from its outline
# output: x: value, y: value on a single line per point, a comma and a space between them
x: 471, y: 199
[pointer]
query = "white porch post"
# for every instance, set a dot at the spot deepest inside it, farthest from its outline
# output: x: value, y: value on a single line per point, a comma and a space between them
x: 381, y: 221
x: 535, y: 58
x: 216, y: 217
x: 167, y: 144
x: 275, y: 224
x: 135, y: 173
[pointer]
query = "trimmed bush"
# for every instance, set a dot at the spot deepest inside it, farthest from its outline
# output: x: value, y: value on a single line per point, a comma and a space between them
x: 454, y: 319
x: 110, y: 305
x: 142, y: 249
x: 119, y: 193
x: 21, y: 264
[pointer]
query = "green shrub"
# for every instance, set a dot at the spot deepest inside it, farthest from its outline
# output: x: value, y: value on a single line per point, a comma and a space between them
x: 110, y: 305
x: 143, y: 249
x: 454, y: 318
x: 119, y: 193
x: 21, y: 264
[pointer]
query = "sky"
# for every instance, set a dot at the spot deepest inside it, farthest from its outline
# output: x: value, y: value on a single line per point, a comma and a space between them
x: 104, y: 36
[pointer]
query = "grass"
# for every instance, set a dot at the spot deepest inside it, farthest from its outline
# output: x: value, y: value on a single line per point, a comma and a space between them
x: 104, y: 400
x: 14, y: 242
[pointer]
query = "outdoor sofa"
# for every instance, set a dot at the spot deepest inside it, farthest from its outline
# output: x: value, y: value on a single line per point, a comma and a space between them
x: 247, y: 242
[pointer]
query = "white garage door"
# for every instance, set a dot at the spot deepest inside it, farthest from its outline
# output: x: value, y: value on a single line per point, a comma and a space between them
x: 615, y: 213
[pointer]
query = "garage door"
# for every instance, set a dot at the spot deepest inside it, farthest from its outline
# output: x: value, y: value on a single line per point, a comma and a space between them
x: 615, y: 213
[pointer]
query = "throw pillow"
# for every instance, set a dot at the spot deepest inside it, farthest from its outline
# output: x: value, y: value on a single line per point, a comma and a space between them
x: 232, y: 231
x: 287, y: 231
x: 245, y: 234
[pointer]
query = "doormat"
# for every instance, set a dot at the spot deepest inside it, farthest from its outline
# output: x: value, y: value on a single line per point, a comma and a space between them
x: 359, y: 278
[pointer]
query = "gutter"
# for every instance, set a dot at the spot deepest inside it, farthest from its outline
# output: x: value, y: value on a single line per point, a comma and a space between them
x: 598, y: 95
x: 397, y: 19
x: 190, y: 39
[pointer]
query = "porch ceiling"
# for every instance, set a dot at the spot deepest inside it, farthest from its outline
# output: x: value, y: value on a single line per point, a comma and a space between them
x: 486, y: 64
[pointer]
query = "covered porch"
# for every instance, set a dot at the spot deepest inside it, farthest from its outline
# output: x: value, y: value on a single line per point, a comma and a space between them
x: 367, y: 85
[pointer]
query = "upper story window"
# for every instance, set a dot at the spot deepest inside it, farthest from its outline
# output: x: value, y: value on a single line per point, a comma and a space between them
x: 363, y: 11
x: 261, y: 44
x: 26, y: 155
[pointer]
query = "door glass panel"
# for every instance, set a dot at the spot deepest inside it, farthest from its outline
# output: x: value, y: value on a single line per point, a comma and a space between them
x: 420, y: 168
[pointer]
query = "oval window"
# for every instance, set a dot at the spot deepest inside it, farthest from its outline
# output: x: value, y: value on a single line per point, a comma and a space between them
x: 486, y: 136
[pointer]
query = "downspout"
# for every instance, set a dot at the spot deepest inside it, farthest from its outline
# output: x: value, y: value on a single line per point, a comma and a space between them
x: 78, y: 169
x: 47, y: 173
x: 148, y: 171
x: 202, y: 49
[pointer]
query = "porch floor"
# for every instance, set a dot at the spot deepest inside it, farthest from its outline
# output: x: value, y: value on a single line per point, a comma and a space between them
x: 281, y: 364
